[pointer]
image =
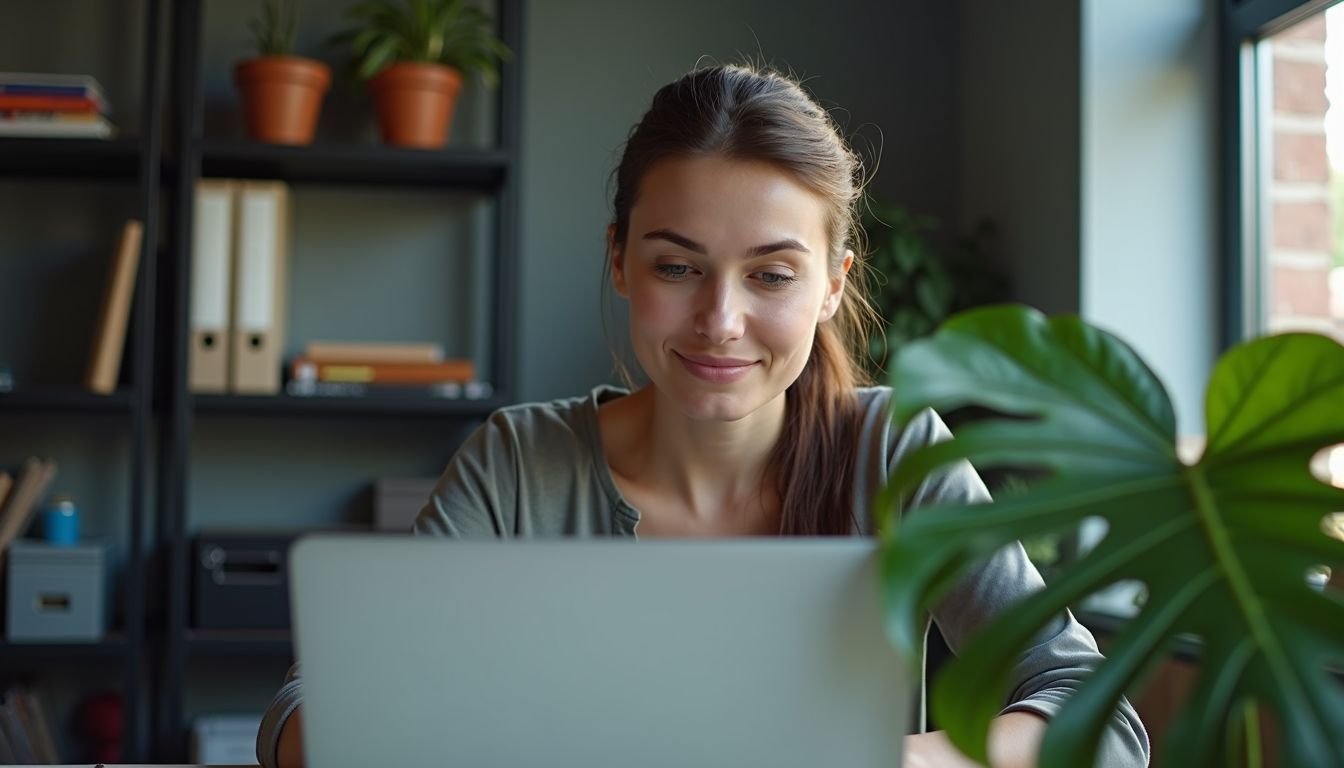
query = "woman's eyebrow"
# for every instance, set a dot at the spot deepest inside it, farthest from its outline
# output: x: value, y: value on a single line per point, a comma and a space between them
x: 681, y: 241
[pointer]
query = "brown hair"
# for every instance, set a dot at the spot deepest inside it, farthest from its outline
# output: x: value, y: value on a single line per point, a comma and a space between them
x: 755, y: 114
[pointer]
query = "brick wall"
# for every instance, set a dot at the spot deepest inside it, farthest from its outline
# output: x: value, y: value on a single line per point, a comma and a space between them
x: 1301, y: 235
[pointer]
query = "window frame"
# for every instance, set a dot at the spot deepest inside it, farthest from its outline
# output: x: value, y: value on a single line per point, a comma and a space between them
x: 1244, y: 159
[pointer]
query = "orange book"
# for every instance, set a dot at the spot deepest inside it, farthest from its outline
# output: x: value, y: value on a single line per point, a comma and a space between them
x: 305, y: 369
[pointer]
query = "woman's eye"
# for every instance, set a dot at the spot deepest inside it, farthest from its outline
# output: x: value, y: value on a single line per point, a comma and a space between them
x: 673, y: 271
x: 775, y: 279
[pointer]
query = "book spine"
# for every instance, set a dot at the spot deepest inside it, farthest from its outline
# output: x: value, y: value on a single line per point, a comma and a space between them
x: 48, y: 103
x: 59, y: 91
x: 110, y: 336
x: 16, y: 733
x: 56, y: 129
x: 302, y: 369
x: 33, y: 116
x: 453, y: 390
x: 356, y: 352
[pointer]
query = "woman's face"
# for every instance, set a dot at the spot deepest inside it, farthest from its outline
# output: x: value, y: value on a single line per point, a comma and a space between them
x: 725, y: 267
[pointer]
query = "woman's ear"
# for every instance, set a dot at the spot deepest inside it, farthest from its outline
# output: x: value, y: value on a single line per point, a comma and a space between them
x: 836, y: 289
x: 617, y: 259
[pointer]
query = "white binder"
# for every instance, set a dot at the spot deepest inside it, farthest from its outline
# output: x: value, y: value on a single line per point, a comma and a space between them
x: 211, y: 279
x: 261, y: 254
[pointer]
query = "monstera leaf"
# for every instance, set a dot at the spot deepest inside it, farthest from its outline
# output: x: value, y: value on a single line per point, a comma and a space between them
x: 1223, y: 546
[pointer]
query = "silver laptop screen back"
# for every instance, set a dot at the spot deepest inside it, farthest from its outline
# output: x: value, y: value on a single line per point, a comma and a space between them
x: 595, y: 653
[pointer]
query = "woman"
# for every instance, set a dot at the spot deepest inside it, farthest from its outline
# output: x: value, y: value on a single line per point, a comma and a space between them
x: 732, y: 240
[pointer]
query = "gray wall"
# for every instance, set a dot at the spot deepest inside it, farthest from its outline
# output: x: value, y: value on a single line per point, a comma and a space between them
x: 1019, y: 141
x: 1149, y: 180
x: 1088, y: 134
x: 590, y: 70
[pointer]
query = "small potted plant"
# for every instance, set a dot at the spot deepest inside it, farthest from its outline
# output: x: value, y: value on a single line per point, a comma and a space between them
x: 282, y: 93
x: 413, y: 55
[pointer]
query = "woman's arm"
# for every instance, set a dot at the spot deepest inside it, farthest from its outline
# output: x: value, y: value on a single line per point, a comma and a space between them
x: 1014, y: 740
x: 1048, y: 672
x: 289, y: 750
x: 278, y: 720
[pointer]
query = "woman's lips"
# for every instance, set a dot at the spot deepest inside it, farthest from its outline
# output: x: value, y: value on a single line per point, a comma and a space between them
x: 716, y: 370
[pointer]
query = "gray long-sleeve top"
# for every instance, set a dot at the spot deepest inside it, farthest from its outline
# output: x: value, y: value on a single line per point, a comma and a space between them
x: 539, y: 470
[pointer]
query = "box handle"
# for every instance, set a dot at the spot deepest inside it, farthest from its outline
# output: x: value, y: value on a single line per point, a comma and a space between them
x: 52, y: 602
x: 254, y: 567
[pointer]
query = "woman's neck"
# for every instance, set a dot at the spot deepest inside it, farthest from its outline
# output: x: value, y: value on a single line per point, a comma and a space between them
x: 709, y: 468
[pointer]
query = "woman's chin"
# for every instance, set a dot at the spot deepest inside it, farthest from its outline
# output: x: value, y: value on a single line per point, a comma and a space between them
x: 715, y: 406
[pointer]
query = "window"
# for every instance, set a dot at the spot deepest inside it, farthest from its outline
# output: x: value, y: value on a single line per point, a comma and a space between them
x: 1290, y: 157
x: 1298, y: 272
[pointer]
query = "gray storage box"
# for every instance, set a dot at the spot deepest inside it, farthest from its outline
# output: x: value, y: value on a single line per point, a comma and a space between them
x: 397, y: 502
x: 56, y: 593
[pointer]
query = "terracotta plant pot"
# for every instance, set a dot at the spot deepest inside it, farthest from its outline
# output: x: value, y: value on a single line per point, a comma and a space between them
x: 415, y: 103
x: 282, y: 96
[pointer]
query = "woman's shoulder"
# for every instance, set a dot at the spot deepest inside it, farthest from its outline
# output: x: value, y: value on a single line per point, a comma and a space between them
x: 875, y: 418
x: 561, y: 420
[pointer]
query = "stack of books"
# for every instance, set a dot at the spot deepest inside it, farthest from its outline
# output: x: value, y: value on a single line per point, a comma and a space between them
x: 26, y: 733
x: 44, y: 105
x: 382, y: 369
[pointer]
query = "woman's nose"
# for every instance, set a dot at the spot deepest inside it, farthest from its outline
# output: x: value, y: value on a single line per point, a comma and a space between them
x: 720, y: 316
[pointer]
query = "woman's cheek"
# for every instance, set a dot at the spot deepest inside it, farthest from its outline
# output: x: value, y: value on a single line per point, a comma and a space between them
x: 653, y: 309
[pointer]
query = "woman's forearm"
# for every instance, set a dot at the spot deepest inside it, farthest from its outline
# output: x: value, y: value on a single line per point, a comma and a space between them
x: 289, y: 750
x: 1014, y: 741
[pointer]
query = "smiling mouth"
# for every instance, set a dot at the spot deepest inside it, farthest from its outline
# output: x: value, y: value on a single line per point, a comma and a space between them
x: 716, y: 370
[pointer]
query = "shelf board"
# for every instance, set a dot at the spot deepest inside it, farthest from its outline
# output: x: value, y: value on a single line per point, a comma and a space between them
x: 239, y: 642
x: 290, y: 405
x: 64, y: 400
x: 478, y: 170
x: 113, y: 644
x: 69, y: 158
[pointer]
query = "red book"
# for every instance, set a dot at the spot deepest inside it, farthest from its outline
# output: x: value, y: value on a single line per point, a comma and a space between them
x: 47, y: 103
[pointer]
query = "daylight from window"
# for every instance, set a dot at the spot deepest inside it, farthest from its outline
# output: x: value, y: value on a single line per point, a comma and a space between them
x: 1301, y: 273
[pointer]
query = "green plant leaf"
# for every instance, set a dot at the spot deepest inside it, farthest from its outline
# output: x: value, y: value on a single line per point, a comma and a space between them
x: 379, y: 55
x: 1222, y: 547
x: 448, y: 32
x: 274, y: 30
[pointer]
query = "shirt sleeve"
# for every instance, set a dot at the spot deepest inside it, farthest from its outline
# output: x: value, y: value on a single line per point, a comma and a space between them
x: 477, y: 495
x: 282, y: 706
x: 1049, y: 671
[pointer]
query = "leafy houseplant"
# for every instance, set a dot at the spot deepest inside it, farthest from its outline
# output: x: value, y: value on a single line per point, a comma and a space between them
x: 1223, y: 545
x: 282, y: 93
x: 414, y: 54
x: 919, y: 285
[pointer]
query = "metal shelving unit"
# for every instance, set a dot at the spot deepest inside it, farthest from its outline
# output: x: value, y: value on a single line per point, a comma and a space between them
x: 134, y: 160
x: 83, y: 159
x: 458, y: 169
x: 491, y: 172
x: 154, y: 640
x: 65, y: 401
x: 288, y: 405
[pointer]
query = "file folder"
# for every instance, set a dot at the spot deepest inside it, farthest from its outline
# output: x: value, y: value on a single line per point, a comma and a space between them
x: 211, y: 279
x: 260, y: 266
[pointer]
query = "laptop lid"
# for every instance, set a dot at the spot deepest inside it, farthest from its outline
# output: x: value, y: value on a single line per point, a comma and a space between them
x: 419, y: 651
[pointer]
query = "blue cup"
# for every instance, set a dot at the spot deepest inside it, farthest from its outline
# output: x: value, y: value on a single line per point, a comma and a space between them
x: 60, y: 522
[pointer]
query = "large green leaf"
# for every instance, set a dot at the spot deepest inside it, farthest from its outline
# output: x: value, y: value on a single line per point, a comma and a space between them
x: 1223, y: 546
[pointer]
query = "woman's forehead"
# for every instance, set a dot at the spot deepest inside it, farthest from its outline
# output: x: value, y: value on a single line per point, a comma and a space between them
x: 730, y: 200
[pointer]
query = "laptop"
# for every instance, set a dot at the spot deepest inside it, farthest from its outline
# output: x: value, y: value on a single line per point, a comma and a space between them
x: 592, y: 653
